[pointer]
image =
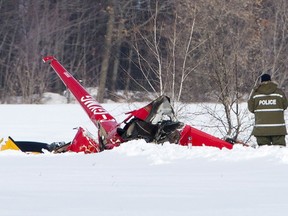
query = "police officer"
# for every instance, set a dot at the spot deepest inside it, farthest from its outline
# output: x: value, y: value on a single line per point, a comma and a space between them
x: 268, y: 103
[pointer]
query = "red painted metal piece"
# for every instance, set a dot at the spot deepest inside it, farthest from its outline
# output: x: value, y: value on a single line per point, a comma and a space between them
x: 106, y: 124
x: 83, y: 142
x: 194, y: 137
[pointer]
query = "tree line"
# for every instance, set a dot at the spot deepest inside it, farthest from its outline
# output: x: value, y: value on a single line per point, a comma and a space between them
x: 190, y: 50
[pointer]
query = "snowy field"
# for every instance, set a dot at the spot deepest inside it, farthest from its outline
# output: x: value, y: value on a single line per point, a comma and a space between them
x: 134, y: 179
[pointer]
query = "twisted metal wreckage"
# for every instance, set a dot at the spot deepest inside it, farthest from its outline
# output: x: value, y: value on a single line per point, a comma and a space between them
x: 155, y: 122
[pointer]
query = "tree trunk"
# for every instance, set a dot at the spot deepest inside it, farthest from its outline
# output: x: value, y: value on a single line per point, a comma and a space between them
x: 128, y: 79
x: 106, y: 55
x: 115, y: 71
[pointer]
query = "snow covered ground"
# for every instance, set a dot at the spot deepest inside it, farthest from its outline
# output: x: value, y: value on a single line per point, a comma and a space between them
x: 134, y: 179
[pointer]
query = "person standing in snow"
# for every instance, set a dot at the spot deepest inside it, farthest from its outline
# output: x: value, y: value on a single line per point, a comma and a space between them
x: 268, y: 103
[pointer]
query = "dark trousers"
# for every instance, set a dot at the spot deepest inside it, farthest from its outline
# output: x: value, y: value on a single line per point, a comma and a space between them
x: 271, y: 140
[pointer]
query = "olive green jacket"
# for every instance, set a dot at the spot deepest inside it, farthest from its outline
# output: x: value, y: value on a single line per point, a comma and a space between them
x: 268, y: 103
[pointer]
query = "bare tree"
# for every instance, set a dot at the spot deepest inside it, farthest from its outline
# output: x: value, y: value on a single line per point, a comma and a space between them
x: 225, y: 64
x: 170, y: 44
